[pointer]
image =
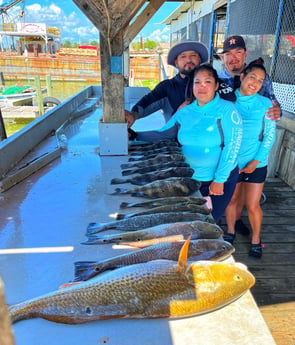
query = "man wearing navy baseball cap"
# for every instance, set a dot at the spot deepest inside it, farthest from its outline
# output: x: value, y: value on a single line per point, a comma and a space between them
x: 170, y: 94
x: 234, y: 56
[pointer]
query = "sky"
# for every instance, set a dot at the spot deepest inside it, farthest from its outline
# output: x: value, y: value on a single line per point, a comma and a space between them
x: 75, y: 26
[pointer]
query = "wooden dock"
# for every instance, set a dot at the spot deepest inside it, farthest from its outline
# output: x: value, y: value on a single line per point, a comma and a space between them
x: 274, y: 290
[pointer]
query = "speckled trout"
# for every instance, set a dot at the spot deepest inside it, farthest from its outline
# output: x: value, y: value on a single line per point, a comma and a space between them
x: 198, y: 250
x: 156, y: 289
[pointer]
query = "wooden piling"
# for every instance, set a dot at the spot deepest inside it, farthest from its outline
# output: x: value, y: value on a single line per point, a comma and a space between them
x: 6, y: 335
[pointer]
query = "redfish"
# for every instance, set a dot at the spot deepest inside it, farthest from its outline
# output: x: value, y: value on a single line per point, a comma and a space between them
x: 181, y: 229
x: 173, y: 186
x: 147, y: 221
x: 198, y: 250
x: 157, y: 160
x: 156, y: 289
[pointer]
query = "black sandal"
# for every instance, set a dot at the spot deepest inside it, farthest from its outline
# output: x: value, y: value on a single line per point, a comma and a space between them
x: 255, y: 250
x: 229, y: 237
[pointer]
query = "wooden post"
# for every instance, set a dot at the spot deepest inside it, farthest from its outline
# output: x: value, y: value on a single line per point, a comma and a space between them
x: 49, y: 85
x: 39, y: 95
x: 113, y: 134
x: 6, y: 335
x: 112, y: 79
x: 2, y: 80
x: 3, y: 134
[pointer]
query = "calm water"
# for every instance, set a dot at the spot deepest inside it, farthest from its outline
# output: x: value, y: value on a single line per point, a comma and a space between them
x: 60, y: 90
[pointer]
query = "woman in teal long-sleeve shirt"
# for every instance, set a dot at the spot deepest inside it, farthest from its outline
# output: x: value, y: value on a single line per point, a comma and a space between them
x: 259, y: 136
x: 210, y: 133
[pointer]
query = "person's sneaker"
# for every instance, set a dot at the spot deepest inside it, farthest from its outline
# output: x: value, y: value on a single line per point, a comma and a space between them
x: 241, y: 228
x: 229, y: 237
x: 255, y: 251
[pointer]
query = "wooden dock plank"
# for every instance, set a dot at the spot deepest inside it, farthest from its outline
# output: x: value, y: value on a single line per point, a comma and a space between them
x: 274, y: 291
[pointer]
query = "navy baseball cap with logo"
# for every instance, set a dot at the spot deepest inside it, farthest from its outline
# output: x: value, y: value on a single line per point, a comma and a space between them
x: 233, y: 42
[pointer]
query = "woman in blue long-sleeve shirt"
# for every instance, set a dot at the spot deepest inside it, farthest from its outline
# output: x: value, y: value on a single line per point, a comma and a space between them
x: 259, y: 136
x: 210, y: 133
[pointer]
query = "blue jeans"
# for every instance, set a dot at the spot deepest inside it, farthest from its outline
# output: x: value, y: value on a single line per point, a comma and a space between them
x: 220, y: 202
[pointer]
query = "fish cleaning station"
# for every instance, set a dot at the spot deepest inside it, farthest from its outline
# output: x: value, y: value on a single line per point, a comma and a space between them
x: 57, y: 199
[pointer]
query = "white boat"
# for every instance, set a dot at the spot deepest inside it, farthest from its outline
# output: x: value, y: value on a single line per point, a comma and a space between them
x: 28, y: 97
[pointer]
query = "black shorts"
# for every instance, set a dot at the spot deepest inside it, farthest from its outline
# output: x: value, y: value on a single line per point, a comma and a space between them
x: 257, y: 176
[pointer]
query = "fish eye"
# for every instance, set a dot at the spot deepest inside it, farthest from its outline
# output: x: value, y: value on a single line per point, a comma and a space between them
x: 237, y: 277
x: 138, y: 239
x: 97, y: 269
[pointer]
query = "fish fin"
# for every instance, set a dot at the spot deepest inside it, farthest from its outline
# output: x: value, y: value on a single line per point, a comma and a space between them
x: 93, y: 228
x: 66, y: 285
x: 119, y: 180
x: 182, y: 259
x: 84, y: 270
x: 127, y: 172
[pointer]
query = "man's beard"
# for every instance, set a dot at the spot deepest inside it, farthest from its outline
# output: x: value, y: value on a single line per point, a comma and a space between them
x: 188, y: 72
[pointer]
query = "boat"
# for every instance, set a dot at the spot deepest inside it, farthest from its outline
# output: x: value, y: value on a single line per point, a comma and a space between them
x: 19, y: 95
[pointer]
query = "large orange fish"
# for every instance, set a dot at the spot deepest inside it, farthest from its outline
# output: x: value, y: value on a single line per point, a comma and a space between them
x: 155, y: 289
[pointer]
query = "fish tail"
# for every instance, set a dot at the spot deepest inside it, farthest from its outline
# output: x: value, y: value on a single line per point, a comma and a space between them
x: 120, y: 191
x: 96, y: 239
x: 127, y: 172
x: 126, y: 166
x: 119, y: 180
x: 120, y: 216
x: 125, y: 204
x: 94, y: 228
x: 84, y: 270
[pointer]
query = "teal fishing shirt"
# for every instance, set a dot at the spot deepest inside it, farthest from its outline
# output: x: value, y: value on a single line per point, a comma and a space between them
x: 259, y: 131
x: 210, y: 136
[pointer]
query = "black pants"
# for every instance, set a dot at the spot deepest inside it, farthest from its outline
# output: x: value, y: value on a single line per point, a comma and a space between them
x: 220, y: 202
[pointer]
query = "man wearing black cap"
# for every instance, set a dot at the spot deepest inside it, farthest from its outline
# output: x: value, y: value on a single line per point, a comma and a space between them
x: 234, y: 56
x: 170, y: 94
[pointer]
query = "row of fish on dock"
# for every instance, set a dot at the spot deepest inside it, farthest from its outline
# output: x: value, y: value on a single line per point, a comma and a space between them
x: 175, y: 265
